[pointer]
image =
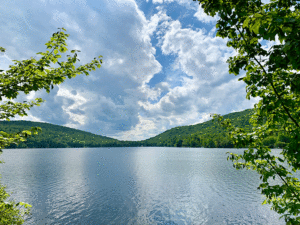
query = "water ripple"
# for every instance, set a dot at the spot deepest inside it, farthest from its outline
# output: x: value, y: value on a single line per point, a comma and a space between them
x: 134, y: 186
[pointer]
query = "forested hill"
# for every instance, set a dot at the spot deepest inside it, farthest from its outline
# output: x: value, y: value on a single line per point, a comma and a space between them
x: 55, y: 136
x: 208, y: 134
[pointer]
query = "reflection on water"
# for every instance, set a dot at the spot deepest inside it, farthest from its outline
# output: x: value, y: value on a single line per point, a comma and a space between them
x: 134, y: 186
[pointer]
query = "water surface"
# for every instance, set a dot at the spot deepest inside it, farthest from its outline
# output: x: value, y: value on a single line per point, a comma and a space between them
x: 143, y: 185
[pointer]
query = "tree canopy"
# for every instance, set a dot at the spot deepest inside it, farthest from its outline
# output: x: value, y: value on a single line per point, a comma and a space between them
x: 273, y: 76
x: 33, y: 75
x: 207, y: 134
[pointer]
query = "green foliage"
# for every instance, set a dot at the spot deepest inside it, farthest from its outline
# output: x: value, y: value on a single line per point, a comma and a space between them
x: 273, y: 76
x: 209, y: 134
x: 33, y: 75
x: 10, y: 213
x: 55, y: 136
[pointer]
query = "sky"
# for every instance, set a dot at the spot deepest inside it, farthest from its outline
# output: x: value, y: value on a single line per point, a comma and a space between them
x: 163, y: 65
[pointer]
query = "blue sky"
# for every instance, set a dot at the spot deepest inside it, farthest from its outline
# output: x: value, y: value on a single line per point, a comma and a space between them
x: 163, y: 66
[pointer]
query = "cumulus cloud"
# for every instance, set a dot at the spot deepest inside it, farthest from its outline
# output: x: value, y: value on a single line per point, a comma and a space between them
x: 105, y: 100
x: 67, y: 21
x: 208, y: 86
x: 203, y: 17
x: 121, y: 99
x: 186, y: 3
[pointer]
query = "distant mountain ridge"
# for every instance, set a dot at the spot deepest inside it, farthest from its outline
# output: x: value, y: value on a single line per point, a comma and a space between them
x: 55, y: 136
x: 189, y: 135
x: 208, y: 134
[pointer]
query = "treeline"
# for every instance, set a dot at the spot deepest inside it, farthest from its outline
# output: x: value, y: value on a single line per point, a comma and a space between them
x: 208, y: 135
x: 213, y: 140
x: 55, y: 136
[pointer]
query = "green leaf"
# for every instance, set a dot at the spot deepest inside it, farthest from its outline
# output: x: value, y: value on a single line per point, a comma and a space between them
x: 255, y: 27
x: 2, y: 49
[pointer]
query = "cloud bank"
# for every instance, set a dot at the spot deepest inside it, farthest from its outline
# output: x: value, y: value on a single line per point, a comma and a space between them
x: 161, y: 69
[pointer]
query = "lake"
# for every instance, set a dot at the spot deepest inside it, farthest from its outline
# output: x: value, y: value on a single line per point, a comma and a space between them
x: 141, y: 185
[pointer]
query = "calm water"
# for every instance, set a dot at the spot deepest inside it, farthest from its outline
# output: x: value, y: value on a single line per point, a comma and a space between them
x: 142, y: 185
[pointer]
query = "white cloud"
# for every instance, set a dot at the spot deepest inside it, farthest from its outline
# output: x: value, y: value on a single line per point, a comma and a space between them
x: 75, y: 110
x: 186, y: 3
x: 5, y: 61
x: 158, y: 1
x: 116, y: 100
x: 138, y: 131
x: 203, y: 17
x: 209, y: 90
x: 199, y: 55
x: 66, y: 21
